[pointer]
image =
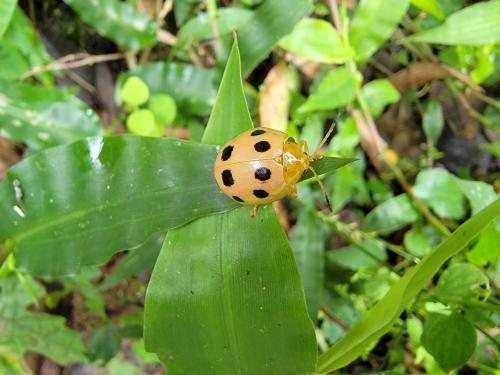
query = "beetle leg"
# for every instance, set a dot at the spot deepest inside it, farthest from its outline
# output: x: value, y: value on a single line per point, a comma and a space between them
x: 253, y: 212
x: 293, y: 190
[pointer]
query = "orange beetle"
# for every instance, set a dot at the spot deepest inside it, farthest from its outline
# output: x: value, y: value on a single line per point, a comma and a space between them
x: 263, y: 165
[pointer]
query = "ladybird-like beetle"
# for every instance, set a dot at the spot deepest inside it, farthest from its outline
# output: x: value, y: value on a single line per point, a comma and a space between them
x: 263, y: 165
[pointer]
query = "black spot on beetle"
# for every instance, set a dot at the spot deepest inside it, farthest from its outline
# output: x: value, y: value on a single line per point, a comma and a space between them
x: 226, y: 153
x: 262, y: 146
x: 236, y: 198
x: 262, y: 174
x: 257, y: 132
x: 227, y: 177
x: 260, y: 193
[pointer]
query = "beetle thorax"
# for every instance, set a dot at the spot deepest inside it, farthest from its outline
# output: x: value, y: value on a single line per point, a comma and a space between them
x: 295, y: 161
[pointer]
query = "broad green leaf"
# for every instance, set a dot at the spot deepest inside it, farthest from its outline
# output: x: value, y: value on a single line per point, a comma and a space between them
x: 450, y: 339
x: 486, y: 250
x: 438, y: 189
x: 44, y: 117
x: 391, y: 215
x: 307, y: 239
x: 118, y: 21
x: 6, y: 11
x: 379, y: 93
x: 191, y: 87
x: 22, y: 49
x: 378, y: 320
x: 137, y: 260
x: 77, y: 204
x: 233, y: 294
x: 462, y: 283
x: 227, y: 284
x: 433, y: 121
x: 198, y: 28
x: 478, y: 193
x: 475, y: 25
x: 429, y: 6
x: 373, y: 22
x: 272, y: 20
x: 336, y: 90
x: 316, y: 40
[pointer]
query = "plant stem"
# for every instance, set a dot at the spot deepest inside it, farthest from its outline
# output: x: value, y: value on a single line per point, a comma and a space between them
x: 334, y: 318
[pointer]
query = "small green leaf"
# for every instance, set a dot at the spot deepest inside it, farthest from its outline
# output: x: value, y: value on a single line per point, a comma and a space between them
x: 368, y: 255
x: 135, y: 91
x: 486, y: 249
x: 379, y: 93
x: 478, y: 193
x: 463, y: 283
x: 336, y: 90
x: 164, y: 108
x: 438, y: 189
x: 379, y: 319
x: 307, y: 239
x: 417, y: 242
x: 272, y: 20
x: 104, y: 343
x: 475, y: 25
x: 141, y: 122
x: 6, y: 11
x: 433, y: 121
x: 118, y: 21
x: 450, y: 339
x: 316, y: 40
x: 373, y: 22
x: 492, y: 148
x: 391, y: 215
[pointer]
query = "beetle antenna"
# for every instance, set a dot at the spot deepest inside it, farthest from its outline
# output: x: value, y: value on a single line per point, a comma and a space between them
x: 317, y: 154
x: 322, y: 187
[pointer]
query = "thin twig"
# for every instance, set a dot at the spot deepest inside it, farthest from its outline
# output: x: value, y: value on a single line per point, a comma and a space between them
x: 73, y: 61
x: 334, y: 318
x: 334, y: 8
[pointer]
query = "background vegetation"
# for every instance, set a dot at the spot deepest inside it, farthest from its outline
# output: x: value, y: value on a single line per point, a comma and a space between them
x: 402, y: 276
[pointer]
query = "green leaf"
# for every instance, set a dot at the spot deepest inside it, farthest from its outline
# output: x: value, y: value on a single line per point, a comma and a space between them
x: 429, y: 6
x: 233, y: 294
x: 271, y: 21
x: 118, y: 21
x: 450, y: 339
x: 378, y: 320
x: 486, y: 249
x: 134, y: 91
x: 307, y: 239
x: 438, y: 189
x: 478, y: 193
x: 316, y: 40
x: 462, y: 283
x: 22, y: 49
x: 11, y: 363
x: 391, y: 215
x: 198, y: 28
x: 191, y: 87
x: 137, y: 260
x: 6, y: 11
x: 77, y: 204
x: 44, y: 117
x: 164, y: 108
x: 104, y: 343
x: 475, y: 25
x: 326, y: 165
x: 417, y: 242
x: 373, y: 22
x: 368, y: 255
x: 433, y: 121
x: 142, y: 122
x: 492, y: 148
x: 336, y: 90
x: 94, y: 301
x: 379, y: 93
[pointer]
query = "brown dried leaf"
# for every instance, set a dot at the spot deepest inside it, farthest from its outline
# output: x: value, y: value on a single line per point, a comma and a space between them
x: 274, y: 100
x: 418, y: 74
x: 371, y: 141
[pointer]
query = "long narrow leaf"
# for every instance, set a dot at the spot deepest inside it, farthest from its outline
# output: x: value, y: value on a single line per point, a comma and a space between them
x: 381, y: 317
